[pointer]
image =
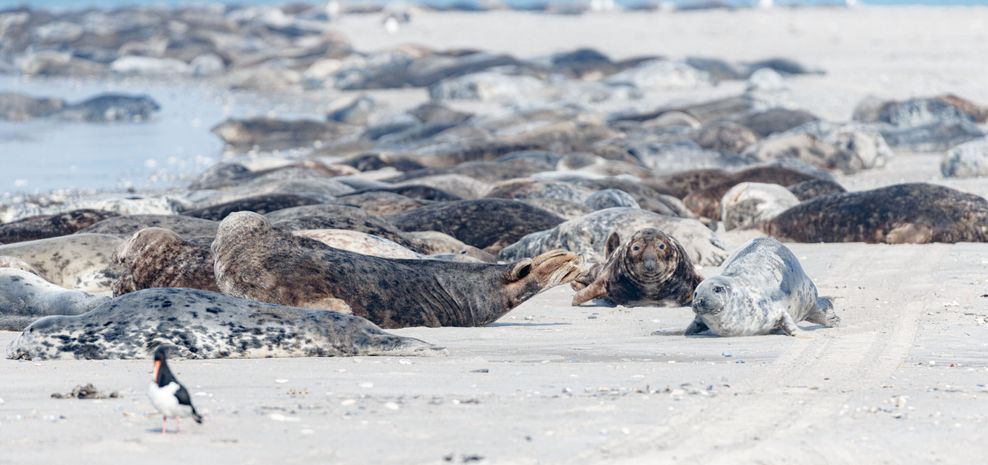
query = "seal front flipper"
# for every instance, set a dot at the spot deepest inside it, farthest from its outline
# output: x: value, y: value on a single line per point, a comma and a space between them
x: 824, y: 313
x: 696, y: 327
x: 787, y: 325
x: 596, y: 289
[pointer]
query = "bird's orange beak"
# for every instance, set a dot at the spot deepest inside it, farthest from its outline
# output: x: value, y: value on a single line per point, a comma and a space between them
x: 157, y: 366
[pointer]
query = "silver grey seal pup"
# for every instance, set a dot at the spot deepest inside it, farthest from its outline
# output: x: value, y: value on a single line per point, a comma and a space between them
x: 761, y: 290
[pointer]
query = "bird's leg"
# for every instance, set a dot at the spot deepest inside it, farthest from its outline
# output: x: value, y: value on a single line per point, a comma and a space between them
x: 164, y: 423
x: 179, y: 427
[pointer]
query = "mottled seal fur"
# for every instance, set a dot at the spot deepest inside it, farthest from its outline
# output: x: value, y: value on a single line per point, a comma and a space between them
x: 914, y: 213
x: 77, y: 261
x: 814, y: 188
x: 265, y: 203
x: 158, y: 257
x: 25, y: 297
x: 750, y: 203
x: 126, y: 226
x: 45, y: 226
x: 488, y: 224
x: 382, y: 203
x: 330, y: 216
x: 436, y: 243
x: 358, y: 242
x: 706, y: 202
x: 651, y: 268
x: 254, y: 260
x: 762, y: 289
x: 610, y: 198
x: 201, y: 325
x: 587, y: 236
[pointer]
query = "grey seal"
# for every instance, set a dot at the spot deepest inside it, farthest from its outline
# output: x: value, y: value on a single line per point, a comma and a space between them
x: 762, y: 289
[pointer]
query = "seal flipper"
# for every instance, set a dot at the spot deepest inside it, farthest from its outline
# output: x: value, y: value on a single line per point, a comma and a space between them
x: 787, y: 325
x: 696, y: 327
x: 596, y: 289
x: 824, y: 313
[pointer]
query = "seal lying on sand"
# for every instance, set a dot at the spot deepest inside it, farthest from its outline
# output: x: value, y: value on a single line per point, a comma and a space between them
x: 587, y: 236
x: 254, y: 260
x: 77, y: 261
x: 126, y: 226
x: 706, y: 202
x: 916, y: 213
x: 25, y: 297
x: 650, y: 269
x: 488, y: 224
x: 45, y: 226
x: 157, y: 257
x: 762, y: 289
x: 201, y: 324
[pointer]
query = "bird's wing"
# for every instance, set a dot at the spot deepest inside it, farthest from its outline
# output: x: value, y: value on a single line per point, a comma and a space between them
x: 183, y: 396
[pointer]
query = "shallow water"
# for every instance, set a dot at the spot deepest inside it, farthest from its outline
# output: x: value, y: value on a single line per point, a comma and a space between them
x: 42, y: 155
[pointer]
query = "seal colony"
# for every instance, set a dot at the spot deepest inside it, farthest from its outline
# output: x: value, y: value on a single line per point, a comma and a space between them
x: 513, y: 176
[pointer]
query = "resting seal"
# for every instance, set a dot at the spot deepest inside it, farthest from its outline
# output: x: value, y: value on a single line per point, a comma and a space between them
x: 762, y: 289
x: 652, y: 268
x: 45, y: 226
x: 915, y: 213
x: 254, y: 260
x: 25, y: 297
x: 158, y: 257
x: 201, y: 324
x: 77, y: 261
x: 126, y: 226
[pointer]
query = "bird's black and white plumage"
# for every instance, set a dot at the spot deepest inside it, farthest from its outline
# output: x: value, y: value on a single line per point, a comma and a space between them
x: 167, y: 394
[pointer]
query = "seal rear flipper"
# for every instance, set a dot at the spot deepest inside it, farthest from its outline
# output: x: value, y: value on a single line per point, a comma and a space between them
x: 696, y: 327
x: 824, y: 313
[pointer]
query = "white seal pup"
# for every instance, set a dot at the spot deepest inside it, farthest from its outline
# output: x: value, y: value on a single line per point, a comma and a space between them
x: 762, y: 289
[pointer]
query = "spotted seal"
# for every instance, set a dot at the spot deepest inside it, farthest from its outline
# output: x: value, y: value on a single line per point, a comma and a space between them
x: 586, y: 236
x: 77, y: 261
x: 651, y: 268
x: 126, y: 225
x: 201, y: 325
x: 45, y: 226
x: 488, y: 224
x: 158, y: 257
x: 762, y: 289
x: 749, y: 203
x: 913, y: 213
x: 256, y: 261
x: 25, y: 297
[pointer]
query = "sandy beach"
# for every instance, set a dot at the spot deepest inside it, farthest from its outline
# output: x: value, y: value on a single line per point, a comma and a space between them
x: 903, y: 380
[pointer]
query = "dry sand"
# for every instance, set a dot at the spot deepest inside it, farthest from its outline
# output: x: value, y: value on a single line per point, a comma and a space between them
x: 903, y: 381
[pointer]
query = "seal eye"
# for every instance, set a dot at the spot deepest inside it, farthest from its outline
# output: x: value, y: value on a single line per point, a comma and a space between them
x: 662, y: 246
x: 636, y: 248
x: 718, y: 289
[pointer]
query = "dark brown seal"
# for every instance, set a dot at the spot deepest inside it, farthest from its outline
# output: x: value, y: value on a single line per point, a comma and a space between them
x: 489, y: 224
x: 652, y: 268
x: 814, y: 188
x: 901, y: 214
x: 706, y: 202
x: 157, y: 257
x: 45, y: 226
x: 255, y: 261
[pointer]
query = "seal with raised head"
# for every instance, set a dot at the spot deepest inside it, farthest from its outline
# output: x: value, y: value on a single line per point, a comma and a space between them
x: 651, y: 268
x: 158, y: 257
x: 762, y: 289
x: 25, y: 297
x: 201, y: 325
x: 914, y: 213
x: 77, y: 261
x: 45, y: 226
x: 253, y: 260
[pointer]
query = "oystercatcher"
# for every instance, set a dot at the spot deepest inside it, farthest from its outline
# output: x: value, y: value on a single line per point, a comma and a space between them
x: 168, y: 395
